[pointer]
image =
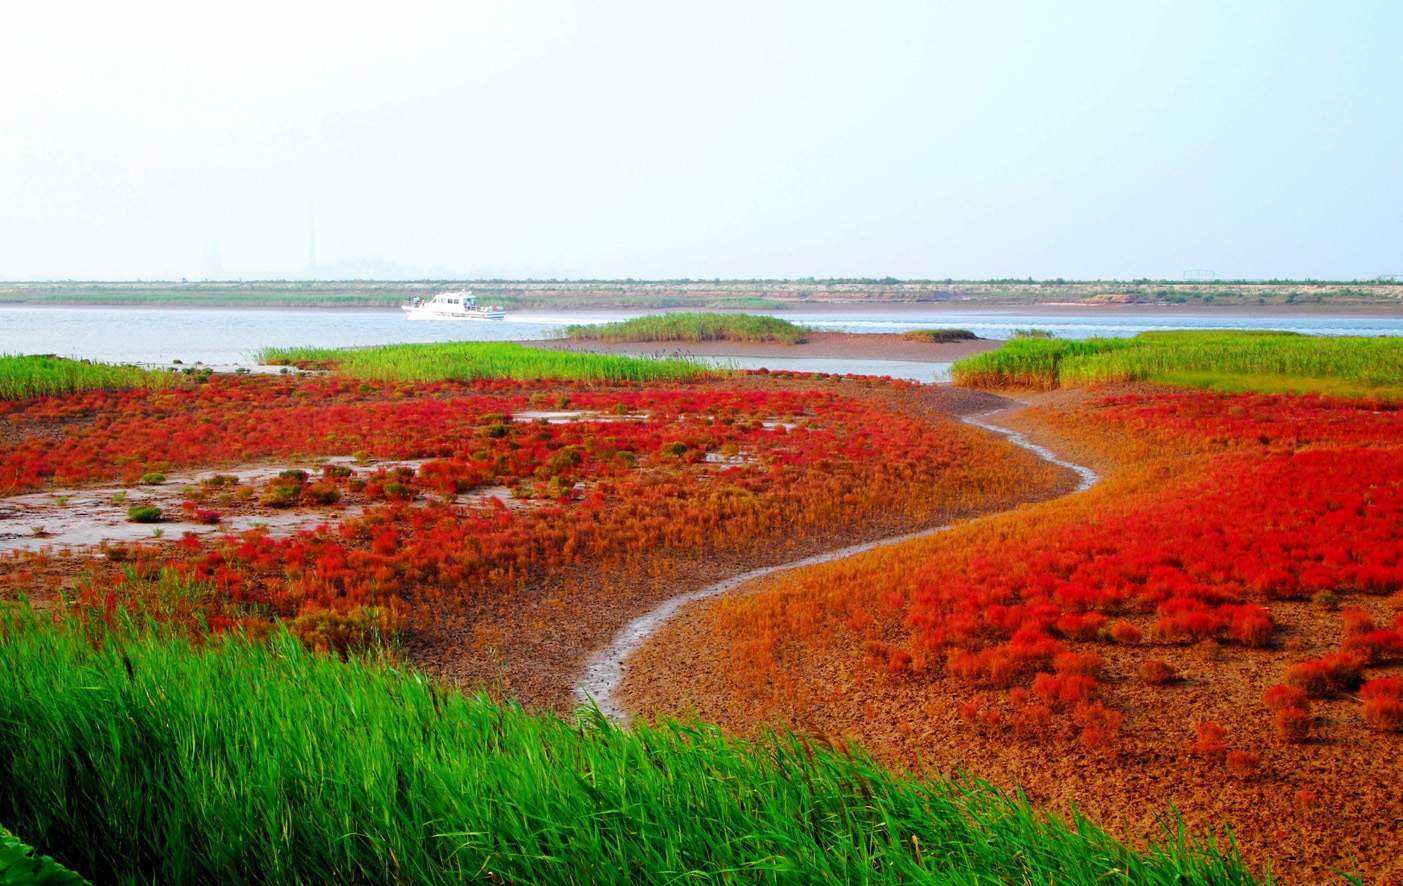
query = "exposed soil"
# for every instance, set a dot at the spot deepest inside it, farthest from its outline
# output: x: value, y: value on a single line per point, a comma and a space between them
x: 826, y: 345
x: 1312, y: 810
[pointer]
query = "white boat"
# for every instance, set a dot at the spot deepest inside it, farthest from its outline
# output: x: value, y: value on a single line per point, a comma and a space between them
x: 459, y: 305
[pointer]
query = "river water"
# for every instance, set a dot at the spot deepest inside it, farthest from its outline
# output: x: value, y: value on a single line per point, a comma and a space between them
x: 234, y: 335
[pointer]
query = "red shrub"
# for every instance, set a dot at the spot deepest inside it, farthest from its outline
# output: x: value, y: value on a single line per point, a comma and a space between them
x: 1382, y: 687
x: 1209, y: 740
x: 1087, y: 664
x: 1064, y: 691
x: 1080, y: 625
x: 1311, y: 677
x: 1243, y: 764
x: 1357, y: 621
x: 1383, y: 703
x: 1376, y: 646
x: 1335, y: 672
x: 1384, y: 713
x: 1282, y: 696
x: 1125, y: 632
x: 1157, y: 672
x: 1032, y: 721
x: 898, y: 662
x: 1251, y: 625
x: 1292, y: 724
x: 1100, y: 725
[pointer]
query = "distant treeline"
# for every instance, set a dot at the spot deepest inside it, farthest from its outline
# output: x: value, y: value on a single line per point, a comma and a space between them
x: 1385, y: 280
x: 695, y: 294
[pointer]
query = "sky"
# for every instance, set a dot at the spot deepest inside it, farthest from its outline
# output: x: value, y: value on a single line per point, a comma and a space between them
x: 604, y: 139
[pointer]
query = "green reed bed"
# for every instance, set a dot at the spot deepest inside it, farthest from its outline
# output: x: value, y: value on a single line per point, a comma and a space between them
x: 1218, y: 360
x: 471, y: 360
x: 24, y: 376
x: 137, y: 756
x: 692, y: 328
x: 1027, y: 362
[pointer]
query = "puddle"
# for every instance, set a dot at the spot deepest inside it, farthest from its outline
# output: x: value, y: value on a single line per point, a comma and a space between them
x: 569, y: 416
x: 89, y: 516
x: 740, y: 458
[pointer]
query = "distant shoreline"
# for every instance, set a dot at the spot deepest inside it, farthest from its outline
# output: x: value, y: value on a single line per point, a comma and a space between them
x: 869, y: 308
x: 738, y: 295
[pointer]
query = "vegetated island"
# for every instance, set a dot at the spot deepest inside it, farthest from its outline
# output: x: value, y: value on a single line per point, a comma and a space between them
x: 1381, y: 293
x: 751, y: 335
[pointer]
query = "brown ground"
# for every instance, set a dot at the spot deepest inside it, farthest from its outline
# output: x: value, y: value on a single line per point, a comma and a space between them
x: 1354, y: 822
x: 830, y: 345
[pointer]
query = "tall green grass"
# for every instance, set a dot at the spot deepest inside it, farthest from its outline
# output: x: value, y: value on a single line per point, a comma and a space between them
x: 140, y: 756
x: 471, y: 360
x: 1026, y: 362
x: 692, y: 328
x: 23, y: 376
x: 1221, y: 360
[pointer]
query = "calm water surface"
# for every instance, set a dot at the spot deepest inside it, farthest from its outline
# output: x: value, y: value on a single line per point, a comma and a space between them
x: 234, y: 335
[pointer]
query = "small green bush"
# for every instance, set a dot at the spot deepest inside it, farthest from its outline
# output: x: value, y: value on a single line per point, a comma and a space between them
x: 280, y: 496
x: 144, y: 514
x: 321, y: 494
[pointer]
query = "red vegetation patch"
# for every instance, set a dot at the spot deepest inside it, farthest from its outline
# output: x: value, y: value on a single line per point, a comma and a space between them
x: 1215, y: 550
x: 1383, y: 703
x: 603, y: 499
x: 1209, y: 740
x: 1243, y: 764
x: 1157, y: 672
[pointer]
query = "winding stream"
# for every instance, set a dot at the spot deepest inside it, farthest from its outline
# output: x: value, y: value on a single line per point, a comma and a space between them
x: 604, y: 673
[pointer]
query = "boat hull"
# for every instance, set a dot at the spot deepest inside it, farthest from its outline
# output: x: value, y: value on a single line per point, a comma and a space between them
x: 421, y: 314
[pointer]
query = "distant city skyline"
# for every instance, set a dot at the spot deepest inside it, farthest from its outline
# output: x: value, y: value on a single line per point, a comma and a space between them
x: 916, y: 140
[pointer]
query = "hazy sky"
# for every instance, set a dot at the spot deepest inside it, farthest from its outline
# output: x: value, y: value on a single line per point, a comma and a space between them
x: 663, y: 139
